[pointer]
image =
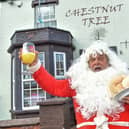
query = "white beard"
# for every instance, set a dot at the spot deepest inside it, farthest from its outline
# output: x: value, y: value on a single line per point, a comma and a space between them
x: 93, y: 95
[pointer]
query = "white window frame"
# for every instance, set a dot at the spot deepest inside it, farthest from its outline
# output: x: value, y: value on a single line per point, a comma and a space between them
x: 38, y: 89
x: 39, y: 19
x: 64, y: 64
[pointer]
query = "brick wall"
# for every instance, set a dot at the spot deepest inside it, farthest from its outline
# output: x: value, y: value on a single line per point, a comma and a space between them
x: 56, y: 113
x: 27, y: 123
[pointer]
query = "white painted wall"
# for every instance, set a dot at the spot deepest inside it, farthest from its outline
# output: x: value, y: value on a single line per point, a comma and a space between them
x: 12, y: 18
x: 116, y: 31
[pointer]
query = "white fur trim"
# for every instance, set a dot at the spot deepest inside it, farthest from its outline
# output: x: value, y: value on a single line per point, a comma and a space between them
x: 116, y: 123
x: 35, y: 67
x: 88, y: 85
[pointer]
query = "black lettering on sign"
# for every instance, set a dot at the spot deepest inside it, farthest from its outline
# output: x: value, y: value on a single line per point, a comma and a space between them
x: 88, y: 14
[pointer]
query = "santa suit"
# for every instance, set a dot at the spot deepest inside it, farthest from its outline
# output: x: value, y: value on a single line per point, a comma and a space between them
x: 62, y: 88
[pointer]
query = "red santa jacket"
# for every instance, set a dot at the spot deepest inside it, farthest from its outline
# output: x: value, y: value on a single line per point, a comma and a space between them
x: 62, y: 88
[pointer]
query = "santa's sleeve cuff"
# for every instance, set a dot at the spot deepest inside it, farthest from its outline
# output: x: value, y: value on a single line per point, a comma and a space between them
x: 34, y: 68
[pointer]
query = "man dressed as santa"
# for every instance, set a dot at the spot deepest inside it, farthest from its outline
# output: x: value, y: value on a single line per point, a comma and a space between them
x: 90, y: 82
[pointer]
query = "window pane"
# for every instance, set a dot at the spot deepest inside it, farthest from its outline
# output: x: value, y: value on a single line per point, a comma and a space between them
x: 42, y: 58
x: 61, y: 64
x: 26, y: 102
x: 60, y: 72
x: 47, y: 12
x: 34, y: 93
x: 26, y: 85
x: 49, y: 24
x: 25, y: 73
x: 41, y: 93
x: 33, y: 84
x: 26, y: 94
x: 61, y: 57
x: 45, y: 16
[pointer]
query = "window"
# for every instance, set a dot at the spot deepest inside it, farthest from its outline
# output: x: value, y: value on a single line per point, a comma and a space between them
x: 31, y: 92
x: 59, y: 64
x: 45, y: 16
x: 13, y: 83
x: 114, y: 49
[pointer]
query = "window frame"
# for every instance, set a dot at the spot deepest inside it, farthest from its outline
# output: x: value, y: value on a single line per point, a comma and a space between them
x: 30, y: 80
x: 42, y: 21
x: 64, y: 64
